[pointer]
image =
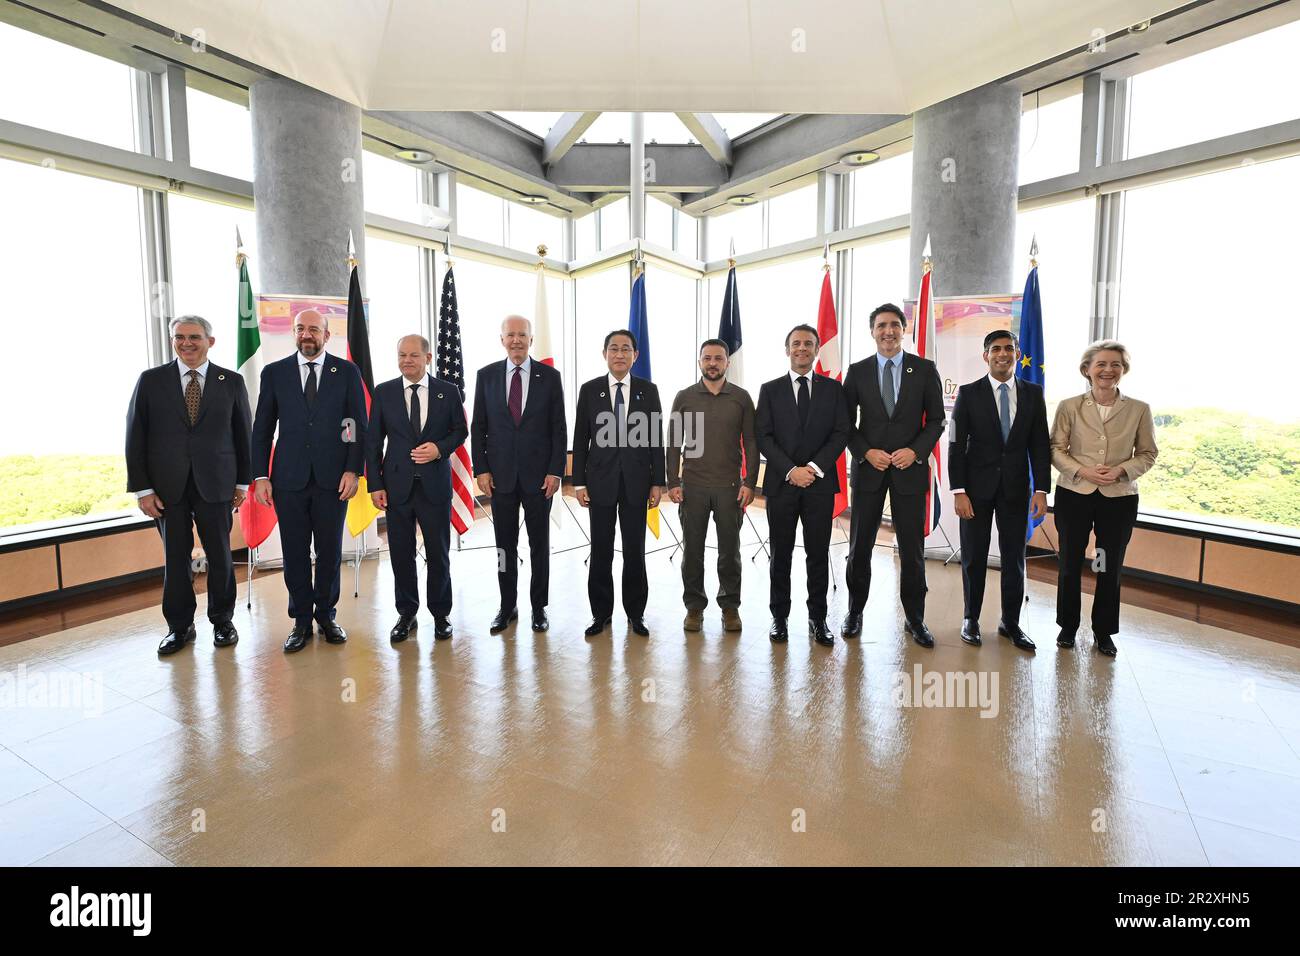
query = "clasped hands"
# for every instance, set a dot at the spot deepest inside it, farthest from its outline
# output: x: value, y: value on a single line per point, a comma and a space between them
x: 1102, y: 474
x: 880, y: 459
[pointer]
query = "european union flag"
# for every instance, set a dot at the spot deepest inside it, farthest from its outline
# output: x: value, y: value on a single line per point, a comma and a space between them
x: 1030, y: 368
x: 638, y: 325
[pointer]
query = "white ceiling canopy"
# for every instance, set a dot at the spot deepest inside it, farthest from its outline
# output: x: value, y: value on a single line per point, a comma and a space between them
x: 789, y: 56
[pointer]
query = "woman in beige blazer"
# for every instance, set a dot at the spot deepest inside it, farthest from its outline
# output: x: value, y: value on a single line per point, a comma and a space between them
x: 1102, y: 442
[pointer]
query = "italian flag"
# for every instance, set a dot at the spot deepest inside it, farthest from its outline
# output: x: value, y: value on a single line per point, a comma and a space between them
x: 256, y: 521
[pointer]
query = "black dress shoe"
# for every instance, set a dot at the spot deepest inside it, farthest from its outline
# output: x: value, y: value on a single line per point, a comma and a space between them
x: 502, y: 620
x: 403, y: 628
x: 638, y: 626
x: 820, y: 633
x: 540, y: 621
x: 332, y: 633
x: 298, y: 638
x: 1018, y: 637
x: 852, y: 624
x: 1065, y: 638
x: 1105, y: 645
x: 441, y: 628
x: 174, y: 641
x: 597, y: 625
x: 777, y: 633
x: 224, y: 634
x: 970, y: 632
x: 920, y: 633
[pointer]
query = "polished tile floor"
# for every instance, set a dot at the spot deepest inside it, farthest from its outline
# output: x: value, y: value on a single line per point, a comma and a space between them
x: 708, y: 748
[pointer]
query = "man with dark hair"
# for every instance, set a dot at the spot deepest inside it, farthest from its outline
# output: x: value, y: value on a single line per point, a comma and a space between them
x: 999, y: 439
x: 618, y: 471
x: 711, y: 422
x: 604, y: 349
x: 895, y: 404
x: 803, y: 426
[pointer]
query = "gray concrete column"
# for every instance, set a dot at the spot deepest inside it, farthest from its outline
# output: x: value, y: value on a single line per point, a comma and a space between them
x: 965, y: 170
x: 306, y: 188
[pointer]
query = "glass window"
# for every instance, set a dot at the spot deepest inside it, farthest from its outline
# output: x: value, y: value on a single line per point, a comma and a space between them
x: 603, y: 301
x: 57, y: 87
x: 530, y: 228
x: 613, y: 127
x: 881, y: 273
x: 1065, y: 285
x: 737, y: 124
x: 882, y: 190
x: 1231, y: 88
x: 742, y: 224
x: 204, y: 278
x: 614, y: 226
x: 66, y: 462
x: 1049, y: 139
x: 792, y: 216
x: 670, y: 314
x: 688, y: 234
x: 390, y: 278
x: 391, y: 187
x: 1213, y: 357
x: 221, y: 134
x: 658, y: 222
x: 486, y: 294
x: 537, y: 123
x: 584, y: 236
x: 480, y: 215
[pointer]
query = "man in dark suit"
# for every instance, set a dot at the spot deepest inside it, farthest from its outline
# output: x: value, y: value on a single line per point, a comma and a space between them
x: 803, y: 426
x: 518, y: 438
x: 895, y: 403
x: 999, y: 434
x: 319, y: 402
x: 618, y: 472
x: 187, y: 460
x: 423, y: 421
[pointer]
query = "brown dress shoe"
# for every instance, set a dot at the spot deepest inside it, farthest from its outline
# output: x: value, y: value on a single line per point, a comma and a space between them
x: 694, y: 621
x: 730, y: 619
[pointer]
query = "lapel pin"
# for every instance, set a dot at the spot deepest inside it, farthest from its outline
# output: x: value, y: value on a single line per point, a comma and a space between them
x: 909, y: 370
x: 440, y: 394
x: 334, y: 368
x: 602, y: 394
x: 221, y: 378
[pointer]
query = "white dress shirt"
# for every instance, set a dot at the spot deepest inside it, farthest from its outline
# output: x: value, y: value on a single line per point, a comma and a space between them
x: 997, y: 406
x: 794, y: 385
x: 526, y: 367
x: 422, y: 387
x: 303, y: 370
x: 612, y: 393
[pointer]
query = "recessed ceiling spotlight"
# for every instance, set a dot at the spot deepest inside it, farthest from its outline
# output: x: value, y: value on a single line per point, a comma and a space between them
x: 861, y: 157
x: 533, y: 200
x: 414, y: 155
x: 741, y: 201
x: 1140, y: 27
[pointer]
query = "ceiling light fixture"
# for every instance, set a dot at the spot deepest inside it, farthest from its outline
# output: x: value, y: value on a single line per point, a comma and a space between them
x: 533, y: 200
x: 414, y: 155
x: 860, y: 157
x: 741, y: 200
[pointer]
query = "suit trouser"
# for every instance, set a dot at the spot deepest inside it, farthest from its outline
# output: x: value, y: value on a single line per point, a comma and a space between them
x: 505, y: 524
x: 816, y: 511
x: 698, y: 503
x: 176, y: 526
x: 908, y: 514
x: 1112, y: 519
x: 1012, y: 514
x: 434, y: 519
x: 629, y: 510
x: 311, y: 516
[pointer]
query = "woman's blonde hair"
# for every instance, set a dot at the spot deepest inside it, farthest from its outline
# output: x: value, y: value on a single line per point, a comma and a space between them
x: 1103, y: 345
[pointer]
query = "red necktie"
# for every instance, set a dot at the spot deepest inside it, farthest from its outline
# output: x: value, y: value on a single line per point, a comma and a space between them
x: 516, y: 396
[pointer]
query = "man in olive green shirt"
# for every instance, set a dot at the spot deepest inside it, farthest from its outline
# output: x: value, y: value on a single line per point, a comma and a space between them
x: 710, y: 422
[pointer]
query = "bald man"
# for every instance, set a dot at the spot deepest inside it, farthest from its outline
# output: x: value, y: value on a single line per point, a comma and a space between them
x: 416, y: 422
x: 518, y: 448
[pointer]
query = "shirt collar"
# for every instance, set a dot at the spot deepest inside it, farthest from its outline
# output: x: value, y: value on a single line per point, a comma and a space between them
x: 795, y: 376
x: 526, y: 364
x: 407, y: 383
x: 319, y: 359
x: 202, y: 369
x: 896, y: 359
x: 995, y: 383
x: 612, y: 381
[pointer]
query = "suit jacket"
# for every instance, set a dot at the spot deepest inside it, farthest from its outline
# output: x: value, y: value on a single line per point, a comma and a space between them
x: 390, y: 468
x: 526, y: 453
x: 1079, y: 437
x: 979, y: 462
x: 786, y: 443
x: 920, y: 393
x: 321, y: 442
x: 597, y: 463
x: 162, y: 447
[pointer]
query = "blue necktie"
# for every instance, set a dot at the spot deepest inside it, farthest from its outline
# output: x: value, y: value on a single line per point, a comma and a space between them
x: 887, y: 389
x: 1004, y: 410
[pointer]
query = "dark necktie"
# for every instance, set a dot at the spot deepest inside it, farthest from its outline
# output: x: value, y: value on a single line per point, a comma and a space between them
x: 517, y: 396
x: 802, y: 400
x: 620, y: 415
x: 1004, y: 410
x: 887, y: 389
x: 309, y: 389
x: 193, y: 395
x: 415, y: 410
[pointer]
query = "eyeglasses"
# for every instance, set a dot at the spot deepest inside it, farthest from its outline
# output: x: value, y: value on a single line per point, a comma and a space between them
x: 620, y: 349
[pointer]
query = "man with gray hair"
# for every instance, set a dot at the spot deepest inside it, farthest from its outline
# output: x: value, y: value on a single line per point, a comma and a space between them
x: 188, y: 463
x: 519, y: 445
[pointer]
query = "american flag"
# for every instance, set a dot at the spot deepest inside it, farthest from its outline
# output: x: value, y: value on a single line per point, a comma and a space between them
x: 452, y: 369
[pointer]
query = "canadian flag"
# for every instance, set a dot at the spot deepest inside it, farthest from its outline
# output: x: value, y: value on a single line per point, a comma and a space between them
x: 828, y: 364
